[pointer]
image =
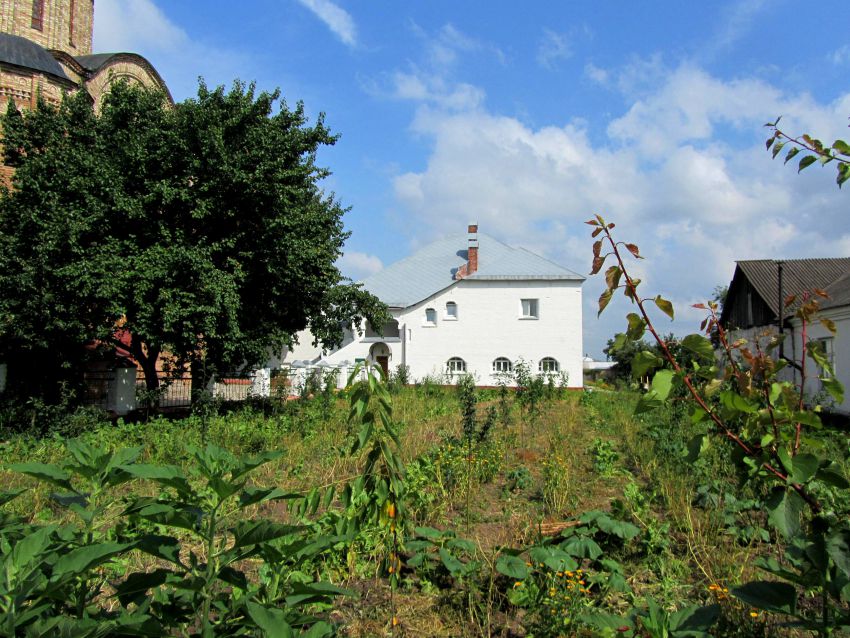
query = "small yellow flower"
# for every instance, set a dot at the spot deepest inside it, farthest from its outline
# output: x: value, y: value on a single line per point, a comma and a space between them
x: 754, y: 614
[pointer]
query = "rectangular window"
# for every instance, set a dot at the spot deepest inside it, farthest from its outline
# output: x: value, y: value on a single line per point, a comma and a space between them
x: 71, y: 23
x: 38, y: 14
x: 529, y: 309
x: 430, y: 317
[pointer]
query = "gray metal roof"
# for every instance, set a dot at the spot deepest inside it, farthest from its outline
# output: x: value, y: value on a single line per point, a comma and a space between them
x: 433, y: 269
x: 27, y: 54
x: 798, y: 275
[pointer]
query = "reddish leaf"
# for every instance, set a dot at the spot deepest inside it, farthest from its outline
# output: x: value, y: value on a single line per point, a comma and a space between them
x: 790, y: 299
x: 701, y: 306
x: 598, y: 262
x: 592, y: 222
x: 597, y: 248
x: 596, y: 232
x: 610, y: 226
x: 820, y: 292
x: 633, y: 249
x: 703, y: 324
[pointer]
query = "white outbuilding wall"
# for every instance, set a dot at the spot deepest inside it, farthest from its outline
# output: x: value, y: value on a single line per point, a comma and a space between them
x: 489, y: 324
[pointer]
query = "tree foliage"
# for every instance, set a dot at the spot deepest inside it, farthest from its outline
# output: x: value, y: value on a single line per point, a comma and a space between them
x: 811, y: 150
x: 199, y: 229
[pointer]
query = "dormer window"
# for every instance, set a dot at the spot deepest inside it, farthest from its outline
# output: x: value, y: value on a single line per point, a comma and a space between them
x: 451, y: 311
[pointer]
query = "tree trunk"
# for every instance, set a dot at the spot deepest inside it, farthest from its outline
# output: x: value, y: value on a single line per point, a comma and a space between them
x: 147, y: 358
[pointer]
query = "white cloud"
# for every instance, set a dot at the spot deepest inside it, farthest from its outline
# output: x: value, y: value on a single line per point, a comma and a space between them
x: 736, y: 23
x: 358, y: 265
x: 337, y: 19
x: 841, y: 56
x: 135, y: 25
x: 596, y: 74
x: 140, y: 26
x: 684, y: 174
x: 553, y: 48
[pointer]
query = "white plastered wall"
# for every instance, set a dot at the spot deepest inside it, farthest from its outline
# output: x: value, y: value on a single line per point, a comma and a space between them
x: 488, y: 325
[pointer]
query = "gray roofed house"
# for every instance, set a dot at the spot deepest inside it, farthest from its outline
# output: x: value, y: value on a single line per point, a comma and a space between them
x: 471, y: 304
x: 435, y: 267
x: 753, y: 307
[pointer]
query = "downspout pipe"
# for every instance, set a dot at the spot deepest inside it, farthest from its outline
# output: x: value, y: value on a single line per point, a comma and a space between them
x: 781, y: 306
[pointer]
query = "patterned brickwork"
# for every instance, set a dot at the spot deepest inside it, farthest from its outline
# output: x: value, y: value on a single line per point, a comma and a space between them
x: 66, y: 25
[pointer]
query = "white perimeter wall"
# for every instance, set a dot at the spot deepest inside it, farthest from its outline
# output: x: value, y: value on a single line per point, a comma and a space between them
x: 488, y: 325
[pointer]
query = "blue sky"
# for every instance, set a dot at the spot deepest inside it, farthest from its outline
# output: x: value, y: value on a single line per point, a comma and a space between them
x: 530, y: 117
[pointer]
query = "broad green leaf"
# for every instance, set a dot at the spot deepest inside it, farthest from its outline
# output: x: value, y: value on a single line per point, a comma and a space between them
x: 247, y: 464
x: 512, y: 567
x: 637, y: 326
x: 305, y: 593
x: 832, y: 474
x: 700, y: 346
x: 693, y: 619
x: 771, y: 596
x: 270, y: 620
x: 838, y: 549
x: 80, y: 560
x: 256, y: 532
x: 696, y: 446
x: 735, y: 402
x: 167, y: 475
x: 791, y: 153
x: 164, y: 547
x: 662, y: 382
x: 841, y: 147
x: 5, y: 497
x: 784, y: 510
x: 45, y: 472
x: 31, y: 546
x: 843, y: 174
x: 134, y: 588
x: 664, y: 306
x: 254, y: 495
x: 804, y: 467
x: 834, y: 387
x: 582, y: 547
x: 808, y: 160
x: 648, y: 402
x: 451, y: 562
x: 777, y: 148
x: 620, y: 529
x: 643, y: 362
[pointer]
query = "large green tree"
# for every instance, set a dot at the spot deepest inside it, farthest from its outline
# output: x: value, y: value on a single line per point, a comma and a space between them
x: 198, y: 229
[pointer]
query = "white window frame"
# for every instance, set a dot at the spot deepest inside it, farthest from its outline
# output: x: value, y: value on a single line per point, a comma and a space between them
x: 449, y: 316
x: 502, y: 365
x: 533, y: 308
x: 430, y: 322
x: 548, y: 369
x: 455, y: 365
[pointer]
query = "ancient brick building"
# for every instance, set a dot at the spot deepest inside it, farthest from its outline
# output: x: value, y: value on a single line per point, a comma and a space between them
x: 46, y: 49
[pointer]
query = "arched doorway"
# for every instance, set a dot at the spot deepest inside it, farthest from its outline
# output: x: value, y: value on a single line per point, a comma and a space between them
x: 380, y: 355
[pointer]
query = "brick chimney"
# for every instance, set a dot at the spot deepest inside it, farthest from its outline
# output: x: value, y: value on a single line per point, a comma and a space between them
x: 471, y: 264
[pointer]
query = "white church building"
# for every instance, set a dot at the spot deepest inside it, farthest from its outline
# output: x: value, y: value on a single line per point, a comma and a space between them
x: 468, y: 304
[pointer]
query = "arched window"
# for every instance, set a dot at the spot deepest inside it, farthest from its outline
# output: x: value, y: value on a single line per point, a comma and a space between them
x: 430, y: 317
x: 455, y: 365
x: 451, y: 310
x: 38, y: 15
x: 548, y: 364
x: 502, y: 364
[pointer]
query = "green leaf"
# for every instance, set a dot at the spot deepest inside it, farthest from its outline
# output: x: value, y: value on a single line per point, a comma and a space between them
x: 662, y: 382
x: 45, y: 472
x: 776, y: 148
x: 167, y: 475
x: 270, y: 620
x: 637, y: 326
x: 784, y: 510
x: 664, y: 306
x: 512, y: 567
x: 80, y: 560
x: 254, y: 495
x: 834, y: 387
x: 694, y: 619
x: 791, y: 153
x: 451, y: 562
x: 803, y: 468
x: 696, y: 446
x: 700, y: 346
x: 306, y: 593
x: 735, y: 402
x: 841, y: 147
x: 644, y: 362
x: 9, y: 495
x: 779, y: 598
x: 843, y: 174
x: 257, y: 532
x: 582, y: 547
x: 134, y: 588
x: 612, y: 277
x: 808, y: 160
x: 831, y: 473
x: 648, y: 402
